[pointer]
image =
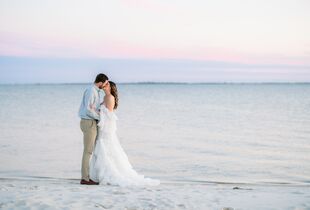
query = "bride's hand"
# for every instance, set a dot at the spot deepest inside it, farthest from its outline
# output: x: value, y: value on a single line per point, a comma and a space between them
x: 93, y: 107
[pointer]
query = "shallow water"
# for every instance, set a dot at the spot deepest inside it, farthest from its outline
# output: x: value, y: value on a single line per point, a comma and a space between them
x: 202, y: 133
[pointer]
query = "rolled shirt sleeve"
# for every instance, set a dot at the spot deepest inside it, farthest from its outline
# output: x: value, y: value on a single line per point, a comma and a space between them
x: 90, y: 98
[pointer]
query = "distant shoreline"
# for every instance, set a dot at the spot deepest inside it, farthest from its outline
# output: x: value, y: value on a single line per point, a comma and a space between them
x: 170, y: 83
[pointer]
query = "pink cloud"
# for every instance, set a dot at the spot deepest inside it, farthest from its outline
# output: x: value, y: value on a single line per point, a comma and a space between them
x: 22, y: 45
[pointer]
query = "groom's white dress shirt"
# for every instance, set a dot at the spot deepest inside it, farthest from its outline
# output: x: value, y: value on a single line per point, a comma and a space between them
x: 91, y: 98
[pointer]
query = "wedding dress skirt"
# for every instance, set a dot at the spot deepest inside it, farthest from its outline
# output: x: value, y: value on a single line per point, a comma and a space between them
x: 109, y: 163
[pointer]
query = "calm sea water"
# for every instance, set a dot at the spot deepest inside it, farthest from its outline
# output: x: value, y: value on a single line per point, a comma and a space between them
x: 249, y: 133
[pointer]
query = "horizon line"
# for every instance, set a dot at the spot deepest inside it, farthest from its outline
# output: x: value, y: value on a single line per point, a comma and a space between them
x: 158, y: 83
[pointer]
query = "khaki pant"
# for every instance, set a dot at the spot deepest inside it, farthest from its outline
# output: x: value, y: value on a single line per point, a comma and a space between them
x: 89, y: 128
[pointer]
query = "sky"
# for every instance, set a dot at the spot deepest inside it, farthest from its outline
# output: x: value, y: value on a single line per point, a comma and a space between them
x: 154, y: 40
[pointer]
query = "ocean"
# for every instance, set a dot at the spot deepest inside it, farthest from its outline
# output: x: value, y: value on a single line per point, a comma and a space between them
x: 178, y: 133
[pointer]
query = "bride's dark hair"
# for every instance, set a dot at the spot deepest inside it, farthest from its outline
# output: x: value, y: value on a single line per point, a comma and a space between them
x: 114, y: 93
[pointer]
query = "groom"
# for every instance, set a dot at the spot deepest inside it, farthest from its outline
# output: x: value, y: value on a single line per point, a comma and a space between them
x: 89, y: 118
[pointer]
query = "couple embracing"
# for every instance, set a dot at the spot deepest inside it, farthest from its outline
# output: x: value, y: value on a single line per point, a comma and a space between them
x: 104, y: 160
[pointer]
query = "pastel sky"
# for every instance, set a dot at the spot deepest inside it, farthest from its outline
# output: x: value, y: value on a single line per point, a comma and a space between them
x: 247, y: 32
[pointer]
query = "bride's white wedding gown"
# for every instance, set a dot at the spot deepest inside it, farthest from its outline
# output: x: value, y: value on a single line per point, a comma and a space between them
x: 109, y: 163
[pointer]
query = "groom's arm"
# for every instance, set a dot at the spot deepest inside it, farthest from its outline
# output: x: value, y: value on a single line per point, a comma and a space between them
x: 89, y: 101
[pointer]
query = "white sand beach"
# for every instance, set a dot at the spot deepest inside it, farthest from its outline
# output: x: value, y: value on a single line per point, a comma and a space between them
x: 49, y: 193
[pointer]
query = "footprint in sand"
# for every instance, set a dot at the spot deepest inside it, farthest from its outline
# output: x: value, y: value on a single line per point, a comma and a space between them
x: 103, y: 206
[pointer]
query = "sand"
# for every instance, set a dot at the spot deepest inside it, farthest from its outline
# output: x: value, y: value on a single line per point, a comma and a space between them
x: 52, y: 193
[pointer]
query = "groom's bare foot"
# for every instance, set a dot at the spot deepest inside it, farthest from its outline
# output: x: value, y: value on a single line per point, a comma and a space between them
x: 90, y: 182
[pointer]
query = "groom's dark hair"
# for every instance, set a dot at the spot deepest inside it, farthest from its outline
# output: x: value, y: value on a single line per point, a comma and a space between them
x: 101, y: 78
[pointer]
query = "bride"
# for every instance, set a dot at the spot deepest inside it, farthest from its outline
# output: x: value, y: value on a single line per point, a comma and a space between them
x: 109, y: 163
